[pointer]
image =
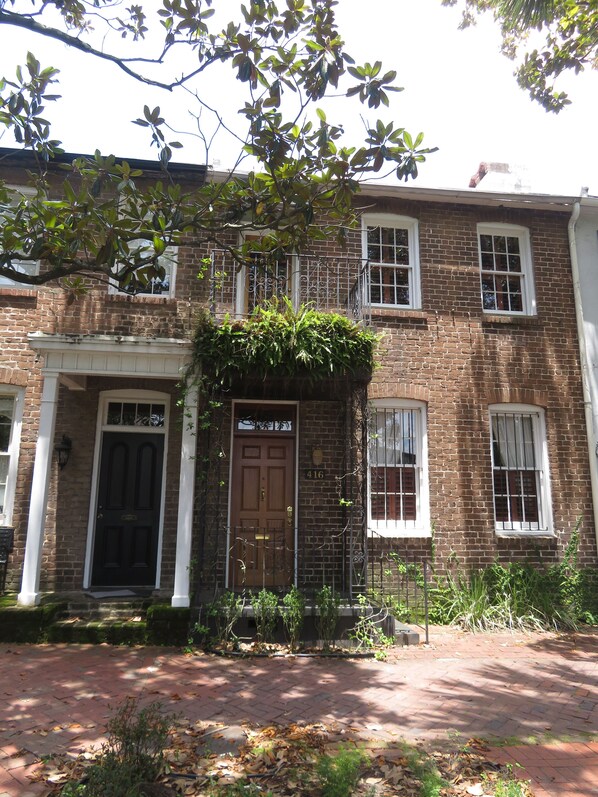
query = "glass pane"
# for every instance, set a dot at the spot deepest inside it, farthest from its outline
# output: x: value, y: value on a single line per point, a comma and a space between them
x: 514, y: 263
x: 129, y: 414
x: 486, y: 243
x: 114, y: 417
x: 265, y: 420
x: 488, y: 261
x: 4, y: 460
x: 142, y: 417
x: 6, y: 407
x: 500, y: 243
x: 513, y: 245
x: 157, y: 415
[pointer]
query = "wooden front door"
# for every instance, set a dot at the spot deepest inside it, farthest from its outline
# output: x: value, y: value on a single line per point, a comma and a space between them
x: 128, y: 510
x: 262, y: 544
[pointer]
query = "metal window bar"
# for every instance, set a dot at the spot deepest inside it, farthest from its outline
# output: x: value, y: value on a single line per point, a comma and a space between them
x: 514, y: 456
x: 394, y: 445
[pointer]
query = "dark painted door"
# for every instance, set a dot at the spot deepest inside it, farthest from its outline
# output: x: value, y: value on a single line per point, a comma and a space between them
x: 262, y: 544
x: 128, y: 510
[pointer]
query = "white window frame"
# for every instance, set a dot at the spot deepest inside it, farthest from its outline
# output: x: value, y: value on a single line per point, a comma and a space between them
x: 171, y: 257
x: 544, y: 525
x: 18, y: 394
x: 390, y: 220
x: 528, y: 295
x: 421, y: 526
x: 30, y: 267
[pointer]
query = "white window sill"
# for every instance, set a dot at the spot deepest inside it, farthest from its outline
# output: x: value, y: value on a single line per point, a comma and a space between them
x: 544, y: 533
x: 505, y: 318
x: 387, y: 531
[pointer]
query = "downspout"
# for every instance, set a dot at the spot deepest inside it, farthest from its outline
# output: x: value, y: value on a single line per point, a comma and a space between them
x: 583, y: 356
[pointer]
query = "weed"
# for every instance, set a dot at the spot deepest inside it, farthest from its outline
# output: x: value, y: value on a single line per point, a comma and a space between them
x: 367, y: 631
x: 226, y: 609
x: 293, y: 615
x: 265, y: 612
x: 425, y: 770
x: 339, y: 773
x: 507, y: 785
x: 328, y: 605
x: 242, y: 788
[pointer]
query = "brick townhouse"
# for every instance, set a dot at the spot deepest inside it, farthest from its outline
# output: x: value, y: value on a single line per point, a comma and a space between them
x: 468, y: 444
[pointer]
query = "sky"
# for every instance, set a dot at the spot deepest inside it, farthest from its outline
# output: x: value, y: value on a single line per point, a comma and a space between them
x: 459, y: 90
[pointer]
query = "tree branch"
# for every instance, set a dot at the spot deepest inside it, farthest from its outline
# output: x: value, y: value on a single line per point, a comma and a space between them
x: 27, y: 23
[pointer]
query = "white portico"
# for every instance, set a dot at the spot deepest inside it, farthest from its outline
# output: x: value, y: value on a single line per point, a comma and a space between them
x: 70, y: 360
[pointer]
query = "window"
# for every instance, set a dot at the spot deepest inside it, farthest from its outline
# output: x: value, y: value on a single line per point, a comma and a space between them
x: 264, y: 277
x: 519, y: 469
x: 11, y: 410
x: 21, y: 266
x: 506, y: 269
x: 131, y: 413
x: 398, y: 479
x: 155, y: 286
x: 390, y: 247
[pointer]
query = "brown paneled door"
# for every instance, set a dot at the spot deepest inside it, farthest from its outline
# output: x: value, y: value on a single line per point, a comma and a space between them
x: 128, y: 510
x: 262, y: 549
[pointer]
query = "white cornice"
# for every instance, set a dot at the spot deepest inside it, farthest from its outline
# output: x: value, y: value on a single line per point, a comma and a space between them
x: 112, y: 355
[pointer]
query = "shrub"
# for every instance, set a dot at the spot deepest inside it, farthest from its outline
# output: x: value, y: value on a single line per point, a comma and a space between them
x: 265, y: 612
x: 293, y: 615
x: 327, y: 603
x: 132, y: 756
x: 226, y: 609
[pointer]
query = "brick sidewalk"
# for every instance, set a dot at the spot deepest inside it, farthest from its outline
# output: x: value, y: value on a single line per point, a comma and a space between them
x: 57, y: 698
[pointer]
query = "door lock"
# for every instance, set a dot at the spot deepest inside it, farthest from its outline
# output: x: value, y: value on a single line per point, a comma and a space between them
x: 262, y: 494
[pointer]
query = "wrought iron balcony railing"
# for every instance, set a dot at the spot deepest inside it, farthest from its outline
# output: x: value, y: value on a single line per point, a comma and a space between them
x: 328, y: 284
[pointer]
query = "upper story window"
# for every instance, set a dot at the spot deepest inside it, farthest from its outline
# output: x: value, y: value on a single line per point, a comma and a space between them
x: 30, y: 267
x: 155, y: 286
x: 390, y: 246
x: 506, y: 269
x: 265, y: 276
x: 11, y: 411
x: 398, y: 469
x: 520, y: 469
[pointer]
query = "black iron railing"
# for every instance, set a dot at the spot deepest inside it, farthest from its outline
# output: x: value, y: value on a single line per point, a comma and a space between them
x: 393, y: 576
x: 328, y: 284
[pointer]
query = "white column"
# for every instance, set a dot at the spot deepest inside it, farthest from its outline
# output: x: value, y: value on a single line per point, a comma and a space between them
x: 186, y: 493
x: 29, y: 594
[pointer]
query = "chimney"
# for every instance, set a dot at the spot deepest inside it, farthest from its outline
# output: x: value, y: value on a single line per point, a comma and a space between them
x: 501, y: 177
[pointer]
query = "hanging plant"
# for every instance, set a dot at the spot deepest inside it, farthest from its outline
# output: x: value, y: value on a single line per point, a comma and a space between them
x: 279, y: 341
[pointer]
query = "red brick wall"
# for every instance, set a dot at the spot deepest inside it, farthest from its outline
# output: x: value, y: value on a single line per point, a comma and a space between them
x: 448, y: 354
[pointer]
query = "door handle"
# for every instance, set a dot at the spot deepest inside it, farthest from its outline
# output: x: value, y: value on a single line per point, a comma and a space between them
x: 262, y: 494
x: 290, y: 515
x: 99, y: 516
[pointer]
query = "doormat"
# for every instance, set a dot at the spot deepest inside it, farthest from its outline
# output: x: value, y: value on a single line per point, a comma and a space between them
x: 114, y: 593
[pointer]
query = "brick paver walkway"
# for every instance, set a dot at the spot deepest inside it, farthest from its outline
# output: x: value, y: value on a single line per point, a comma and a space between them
x: 55, y: 698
